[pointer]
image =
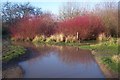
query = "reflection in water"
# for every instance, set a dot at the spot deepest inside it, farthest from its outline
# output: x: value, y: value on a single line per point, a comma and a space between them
x: 75, y: 55
x: 60, y: 62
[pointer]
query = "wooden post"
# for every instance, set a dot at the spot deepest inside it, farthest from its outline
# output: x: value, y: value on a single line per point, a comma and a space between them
x: 77, y: 36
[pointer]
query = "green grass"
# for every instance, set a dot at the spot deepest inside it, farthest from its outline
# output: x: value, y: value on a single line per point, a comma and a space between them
x: 111, y: 64
x: 103, y: 47
x: 12, y: 52
x: 105, y: 51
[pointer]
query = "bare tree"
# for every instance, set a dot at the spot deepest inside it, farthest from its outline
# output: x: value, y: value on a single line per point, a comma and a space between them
x: 72, y: 9
x: 13, y: 12
x: 69, y: 10
x: 108, y: 11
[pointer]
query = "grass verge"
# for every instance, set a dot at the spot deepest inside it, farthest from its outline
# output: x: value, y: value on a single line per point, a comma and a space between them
x: 108, y: 54
x: 11, y: 51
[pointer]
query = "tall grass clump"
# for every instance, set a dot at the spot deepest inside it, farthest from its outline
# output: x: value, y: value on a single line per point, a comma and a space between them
x: 40, y: 38
x: 56, y: 38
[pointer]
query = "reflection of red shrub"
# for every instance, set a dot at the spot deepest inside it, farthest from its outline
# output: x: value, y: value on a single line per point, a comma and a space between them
x: 32, y: 26
x: 88, y: 27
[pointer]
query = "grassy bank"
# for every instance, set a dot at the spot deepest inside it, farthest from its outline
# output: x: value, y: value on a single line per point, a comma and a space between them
x: 107, y: 52
x: 58, y: 44
x: 60, y: 41
x: 10, y: 51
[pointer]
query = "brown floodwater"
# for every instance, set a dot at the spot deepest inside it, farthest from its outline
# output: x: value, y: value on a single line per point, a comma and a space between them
x: 59, y: 62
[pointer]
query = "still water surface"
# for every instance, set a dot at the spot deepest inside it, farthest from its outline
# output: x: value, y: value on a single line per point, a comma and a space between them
x: 60, y: 62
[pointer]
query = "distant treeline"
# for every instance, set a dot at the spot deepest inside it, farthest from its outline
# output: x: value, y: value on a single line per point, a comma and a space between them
x: 22, y: 21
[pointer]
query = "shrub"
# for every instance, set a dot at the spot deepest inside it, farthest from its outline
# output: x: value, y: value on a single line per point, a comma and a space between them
x: 29, y: 27
x: 26, y: 27
x: 87, y: 26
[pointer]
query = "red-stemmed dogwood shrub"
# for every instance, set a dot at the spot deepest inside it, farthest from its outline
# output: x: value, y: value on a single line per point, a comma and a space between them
x: 29, y: 27
x: 87, y: 26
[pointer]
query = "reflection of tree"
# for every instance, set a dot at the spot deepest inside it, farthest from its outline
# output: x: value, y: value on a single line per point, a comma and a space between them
x: 75, y: 55
x: 67, y: 54
x: 36, y: 51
